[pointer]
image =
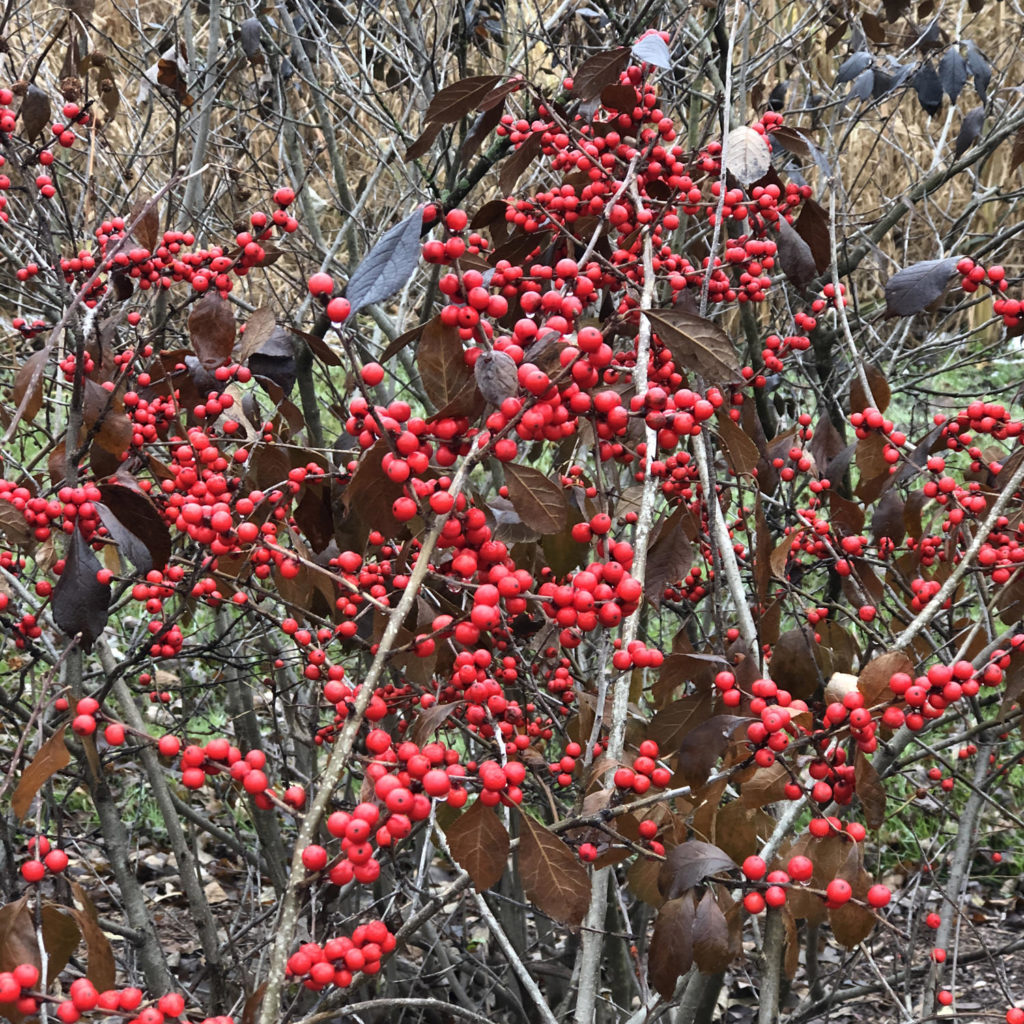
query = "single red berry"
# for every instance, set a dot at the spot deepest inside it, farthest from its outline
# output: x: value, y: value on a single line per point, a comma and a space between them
x: 320, y: 284
x: 314, y: 858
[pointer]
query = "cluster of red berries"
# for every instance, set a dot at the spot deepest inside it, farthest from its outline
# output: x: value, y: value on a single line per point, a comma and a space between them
x: 646, y: 771
x: 336, y: 961
x: 44, y: 857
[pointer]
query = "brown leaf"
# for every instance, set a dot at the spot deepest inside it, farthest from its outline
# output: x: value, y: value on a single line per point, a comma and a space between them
x: 741, y: 831
x: 799, y: 662
x: 688, y: 864
x: 553, y: 878
x: 147, y: 224
x: 482, y: 129
x: 765, y: 786
x: 26, y: 382
x: 702, y: 747
x: 17, y: 937
x: 541, y: 504
x: 670, y: 954
x: 887, y: 520
x: 598, y: 71
x: 479, y: 844
x: 211, y: 326
x: 812, y: 227
x: 371, y: 493
x: 441, y: 360
x: 457, y: 100
x: 672, y: 723
x: 870, y: 790
x: 852, y: 923
x: 642, y: 881
x: 740, y: 451
x: 874, y: 677
x: 711, y: 950
x: 14, y: 528
x: 669, y: 556
x: 513, y: 168
x: 103, y: 417
x: 780, y: 557
x: 257, y: 332
x: 100, y: 970
x: 421, y: 145
x: 51, y: 758
x: 61, y: 936
x: 880, y: 392
x: 1017, y: 155
x: 696, y: 344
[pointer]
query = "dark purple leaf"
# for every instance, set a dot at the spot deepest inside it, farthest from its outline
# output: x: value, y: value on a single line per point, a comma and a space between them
x: 863, y: 87
x: 795, y: 256
x: 249, y: 33
x: 916, y: 287
x: 80, y: 602
x: 460, y: 98
x: 388, y: 265
x: 952, y: 73
x: 928, y: 88
x: 980, y: 68
x: 212, y: 328
x: 853, y: 66
x: 703, y: 746
x: 969, y: 131
x: 652, y: 49
x: 598, y: 71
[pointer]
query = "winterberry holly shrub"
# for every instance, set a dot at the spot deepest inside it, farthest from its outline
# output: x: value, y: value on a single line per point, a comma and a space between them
x: 602, y: 630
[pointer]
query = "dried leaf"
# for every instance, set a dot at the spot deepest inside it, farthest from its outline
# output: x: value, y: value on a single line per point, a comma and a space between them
x: 479, y: 844
x: 914, y: 288
x: 35, y: 112
x: 146, y: 218
x: 388, y: 265
x: 80, y: 602
x: 742, y: 453
x: 423, y: 141
x: 515, y: 166
x: 29, y: 381
x: 17, y: 937
x: 682, y: 716
x: 100, y: 970
x: 870, y: 791
x: 541, y: 504
x: 881, y: 394
x: 257, y: 332
x: 51, y: 757
x: 746, y: 155
x: 874, y: 677
x: 61, y: 936
x: 979, y: 68
x: 670, y: 954
x: 696, y: 344
x: 688, y: 864
x: 496, y: 376
x: 553, y: 878
x: 652, y: 49
x: 669, y: 556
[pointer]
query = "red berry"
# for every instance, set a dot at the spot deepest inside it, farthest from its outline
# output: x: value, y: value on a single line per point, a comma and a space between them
x: 314, y: 858
x: 320, y: 284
